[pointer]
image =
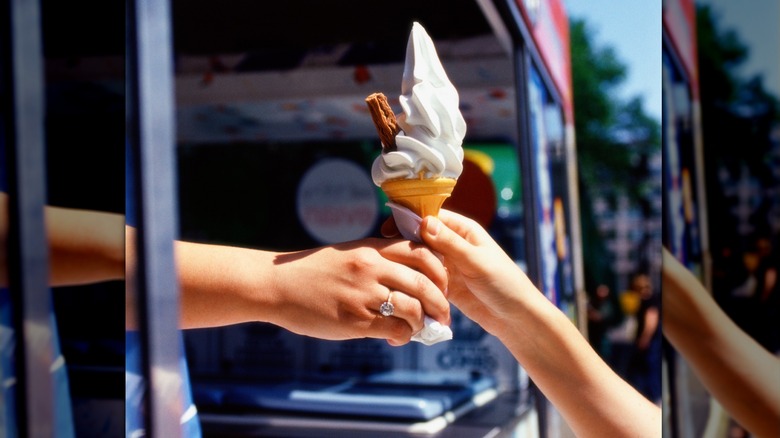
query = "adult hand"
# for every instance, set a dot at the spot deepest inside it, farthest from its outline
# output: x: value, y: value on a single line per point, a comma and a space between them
x: 335, y: 292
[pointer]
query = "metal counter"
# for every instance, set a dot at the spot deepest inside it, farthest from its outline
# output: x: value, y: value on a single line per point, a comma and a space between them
x: 508, y: 414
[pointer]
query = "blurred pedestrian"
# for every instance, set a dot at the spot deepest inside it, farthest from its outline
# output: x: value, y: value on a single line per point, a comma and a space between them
x: 645, y: 366
x: 766, y: 302
x: 603, y: 314
x: 622, y: 336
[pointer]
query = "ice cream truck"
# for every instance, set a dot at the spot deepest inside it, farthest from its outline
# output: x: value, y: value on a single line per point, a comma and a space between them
x: 274, y: 148
x: 247, y: 126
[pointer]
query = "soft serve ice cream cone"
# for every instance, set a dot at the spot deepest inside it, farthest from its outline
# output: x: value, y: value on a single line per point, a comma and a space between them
x: 422, y: 154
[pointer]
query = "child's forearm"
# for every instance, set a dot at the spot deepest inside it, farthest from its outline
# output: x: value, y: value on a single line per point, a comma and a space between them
x: 743, y: 376
x: 575, y: 378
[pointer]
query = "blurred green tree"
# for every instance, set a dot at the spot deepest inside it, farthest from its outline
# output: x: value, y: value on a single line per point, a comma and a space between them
x: 615, y: 139
x: 738, y: 117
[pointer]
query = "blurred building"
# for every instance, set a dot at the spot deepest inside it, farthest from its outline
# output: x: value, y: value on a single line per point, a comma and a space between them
x: 632, y: 228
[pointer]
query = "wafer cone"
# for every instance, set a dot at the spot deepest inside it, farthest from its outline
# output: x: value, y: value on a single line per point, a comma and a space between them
x: 423, y: 196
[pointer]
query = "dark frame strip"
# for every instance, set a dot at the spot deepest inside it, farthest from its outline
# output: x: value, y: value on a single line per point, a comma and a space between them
x: 151, y: 136
x: 28, y: 257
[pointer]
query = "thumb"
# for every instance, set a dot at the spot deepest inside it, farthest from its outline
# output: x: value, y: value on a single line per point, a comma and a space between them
x: 444, y: 241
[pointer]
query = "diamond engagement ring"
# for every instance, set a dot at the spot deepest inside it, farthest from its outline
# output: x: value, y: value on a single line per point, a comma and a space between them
x: 387, y: 308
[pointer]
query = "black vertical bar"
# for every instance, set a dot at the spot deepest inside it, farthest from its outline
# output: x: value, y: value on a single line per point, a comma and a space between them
x: 528, y: 171
x: 527, y: 163
x: 671, y: 382
x: 528, y: 175
x: 28, y: 258
x: 152, y: 138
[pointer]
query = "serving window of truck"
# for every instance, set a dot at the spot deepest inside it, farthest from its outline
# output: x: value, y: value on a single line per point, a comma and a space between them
x: 274, y: 150
x: 247, y: 126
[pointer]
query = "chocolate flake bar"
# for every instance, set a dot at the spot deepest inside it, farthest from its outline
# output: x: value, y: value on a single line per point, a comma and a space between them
x: 384, y: 119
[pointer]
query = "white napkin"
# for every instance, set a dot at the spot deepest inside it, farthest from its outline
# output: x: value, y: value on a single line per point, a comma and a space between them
x: 408, y: 224
x: 433, y: 332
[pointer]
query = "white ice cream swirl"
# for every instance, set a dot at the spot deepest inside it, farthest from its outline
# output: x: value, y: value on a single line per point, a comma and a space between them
x: 432, y: 127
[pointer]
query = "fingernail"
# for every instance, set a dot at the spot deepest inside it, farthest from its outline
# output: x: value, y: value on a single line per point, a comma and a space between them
x: 433, y: 226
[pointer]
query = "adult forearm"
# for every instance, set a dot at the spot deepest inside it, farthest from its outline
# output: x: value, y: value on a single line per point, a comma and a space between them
x: 218, y: 285
x: 85, y: 246
x: 223, y: 285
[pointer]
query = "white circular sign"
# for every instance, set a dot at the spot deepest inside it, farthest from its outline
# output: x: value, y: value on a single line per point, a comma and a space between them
x: 337, y: 201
